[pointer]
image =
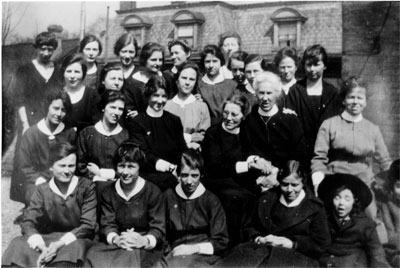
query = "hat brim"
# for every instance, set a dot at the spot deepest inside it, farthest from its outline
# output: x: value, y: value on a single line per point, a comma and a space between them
x: 331, y: 183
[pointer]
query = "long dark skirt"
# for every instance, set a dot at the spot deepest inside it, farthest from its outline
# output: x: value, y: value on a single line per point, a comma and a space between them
x: 102, y: 255
x: 19, y: 253
x: 192, y: 261
x: 238, y: 204
x: 251, y: 254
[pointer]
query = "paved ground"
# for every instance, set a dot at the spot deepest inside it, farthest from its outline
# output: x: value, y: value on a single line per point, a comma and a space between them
x: 9, y: 209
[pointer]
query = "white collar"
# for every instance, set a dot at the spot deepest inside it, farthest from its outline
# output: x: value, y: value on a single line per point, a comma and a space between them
x: 92, y: 70
x: 249, y: 88
x: 270, y: 113
x: 143, y: 78
x: 52, y: 135
x: 129, y: 72
x: 138, y: 186
x: 287, y: 86
x: 153, y: 113
x: 100, y: 128
x: 174, y: 70
x: 182, y: 103
x: 197, y: 193
x: 295, y: 202
x: 72, y: 185
x: 46, y: 71
x: 218, y: 79
x: 352, y: 118
x: 235, y: 131
x: 316, y: 89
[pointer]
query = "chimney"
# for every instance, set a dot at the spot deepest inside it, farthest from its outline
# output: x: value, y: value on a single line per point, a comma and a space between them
x: 124, y: 5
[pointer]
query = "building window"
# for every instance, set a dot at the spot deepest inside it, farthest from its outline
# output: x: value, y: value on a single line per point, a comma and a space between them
x: 138, y: 26
x: 287, y: 27
x: 187, y: 26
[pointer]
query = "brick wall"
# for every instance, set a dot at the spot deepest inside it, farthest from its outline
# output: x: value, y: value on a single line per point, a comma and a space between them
x: 362, y: 21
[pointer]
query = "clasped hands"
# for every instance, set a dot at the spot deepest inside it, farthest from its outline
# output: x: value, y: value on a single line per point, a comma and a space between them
x: 275, y: 241
x: 268, y: 179
x: 48, y: 253
x: 130, y: 239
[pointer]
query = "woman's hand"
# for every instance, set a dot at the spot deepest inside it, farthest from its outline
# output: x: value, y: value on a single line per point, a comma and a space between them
x: 183, y: 250
x: 52, y: 250
x: 94, y: 169
x: 278, y: 241
x: 194, y: 145
x: 131, y: 114
x: 198, y: 97
x: 134, y: 239
x: 43, y: 249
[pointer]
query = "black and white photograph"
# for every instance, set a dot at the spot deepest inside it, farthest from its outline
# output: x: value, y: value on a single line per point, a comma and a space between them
x: 200, y: 134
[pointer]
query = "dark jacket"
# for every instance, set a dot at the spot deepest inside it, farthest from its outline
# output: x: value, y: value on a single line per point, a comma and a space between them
x: 354, y: 244
x: 307, y: 228
x: 299, y: 101
x: 278, y: 141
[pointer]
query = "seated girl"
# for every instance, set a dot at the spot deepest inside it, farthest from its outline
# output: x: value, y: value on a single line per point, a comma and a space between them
x: 355, y: 242
x: 60, y: 221
x: 132, y: 219
x: 97, y: 144
x: 289, y: 227
x: 196, y: 224
x: 31, y: 159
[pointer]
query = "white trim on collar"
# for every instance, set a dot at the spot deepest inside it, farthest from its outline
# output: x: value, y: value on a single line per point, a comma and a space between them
x: 45, y: 71
x: 138, y: 186
x: 348, y: 117
x: 71, y: 187
x: 150, y: 112
x: 174, y: 70
x: 295, y: 202
x: 249, y: 88
x: 286, y: 87
x: 235, y: 131
x: 99, y: 127
x: 45, y: 130
x: 271, y: 112
x: 182, y: 103
x: 142, y: 78
x: 199, y: 191
x: 217, y: 79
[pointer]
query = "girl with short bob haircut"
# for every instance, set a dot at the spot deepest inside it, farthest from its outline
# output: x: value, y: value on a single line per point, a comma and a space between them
x: 111, y: 77
x: 196, y: 223
x: 59, y: 224
x: 91, y: 48
x: 213, y: 87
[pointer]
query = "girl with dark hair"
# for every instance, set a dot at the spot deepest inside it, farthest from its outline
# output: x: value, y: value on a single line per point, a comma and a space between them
x: 195, y: 219
x: 151, y: 60
x: 180, y: 53
x: 252, y: 67
x: 29, y: 87
x: 192, y: 112
x: 159, y: 134
x: 132, y: 219
x: 83, y: 99
x: 91, y: 49
x: 126, y: 48
x: 213, y: 87
x: 60, y: 221
x: 346, y: 142
x: 313, y: 99
x: 111, y: 77
x: 97, y: 144
x: 289, y: 227
x: 31, y: 158
x: 355, y: 241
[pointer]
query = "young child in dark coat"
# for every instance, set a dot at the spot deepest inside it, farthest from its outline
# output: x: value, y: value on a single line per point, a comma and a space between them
x: 355, y: 241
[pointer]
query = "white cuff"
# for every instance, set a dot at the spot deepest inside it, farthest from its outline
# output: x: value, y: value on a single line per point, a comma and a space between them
x: 152, y: 242
x: 98, y: 178
x: 206, y: 248
x: 68, y: 238
x: 242, y: 167
x: 162, y: 165
x: 40, y: 180
x: 107, y: 173
x: 187, y: 137
x: 110, y: 237
x: 317, y: 177
x: 35, y: 240
x: 251, y: 158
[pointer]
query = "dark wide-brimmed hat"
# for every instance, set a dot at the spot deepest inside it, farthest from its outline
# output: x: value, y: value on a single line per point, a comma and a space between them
x: 331, y: 183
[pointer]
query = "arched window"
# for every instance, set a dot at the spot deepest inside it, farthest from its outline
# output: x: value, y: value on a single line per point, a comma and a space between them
x: 138, y: 26
x: 287, y: 27
x: 187, y: 24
